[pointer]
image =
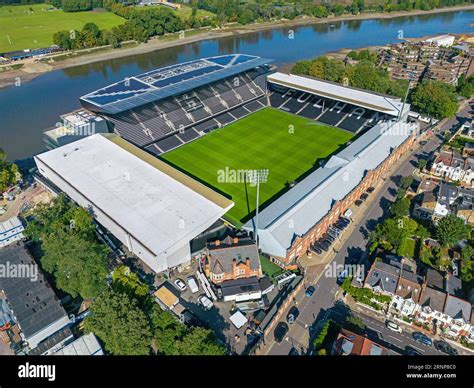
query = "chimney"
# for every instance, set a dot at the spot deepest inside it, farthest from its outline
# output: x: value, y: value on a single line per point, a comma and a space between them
x: 247, y: 262
x: 236, y: 240
x: 217, y: 243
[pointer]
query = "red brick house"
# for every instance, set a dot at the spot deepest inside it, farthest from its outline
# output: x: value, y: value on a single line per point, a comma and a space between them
x: 232, y: 258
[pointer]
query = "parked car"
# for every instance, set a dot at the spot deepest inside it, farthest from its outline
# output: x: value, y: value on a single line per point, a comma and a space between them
x: 422, y: 338
x: 342, y: 276
x: 409, y: 351
x: 192, y: 284
x: 370, y: 189
x: 446, y: 348
x: 324, y: 245
x: 364, y: 196
x: 180, y: 284
x: 329, y: 238
x: 280, y: 332
x: 310, y: 291
x: 205, y: 302
x: 393, y: 327
x: 358, y: 202
x: 292, y: 315
x: 316, y: 249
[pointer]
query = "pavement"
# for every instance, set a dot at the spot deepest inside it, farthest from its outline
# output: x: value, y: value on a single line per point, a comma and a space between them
x: 315, y: 310
x: 30, y: 196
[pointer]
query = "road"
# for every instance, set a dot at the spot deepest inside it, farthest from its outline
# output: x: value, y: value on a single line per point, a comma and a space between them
x: 314, y: 310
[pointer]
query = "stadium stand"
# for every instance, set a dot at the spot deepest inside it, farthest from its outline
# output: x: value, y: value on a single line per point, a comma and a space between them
x: 148, y: 108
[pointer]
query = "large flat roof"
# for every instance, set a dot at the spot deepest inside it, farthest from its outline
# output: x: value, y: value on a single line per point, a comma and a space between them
x: 167, y: 81
x: 158, y: 205
x: 379, y: 103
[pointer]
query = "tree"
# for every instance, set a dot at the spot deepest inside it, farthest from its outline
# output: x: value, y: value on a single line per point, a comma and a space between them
x: 127, y: 282
x: 451, y: 229
x: 465, y: 86
x: 166, y: 330
x: 467, y: 264
x: 71, y: 252
x: 435, y: 99
x: 400, y: 208
x: 63, y: 40
x: 422, y: 164
x: 199, y: 342
x: 120, y: 324
x: 406, y: 182
x: 9, y: 174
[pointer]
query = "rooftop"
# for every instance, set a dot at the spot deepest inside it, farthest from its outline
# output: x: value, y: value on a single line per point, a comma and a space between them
x: 380, y: 103
x: 168, y: 81
x: 156, y: 204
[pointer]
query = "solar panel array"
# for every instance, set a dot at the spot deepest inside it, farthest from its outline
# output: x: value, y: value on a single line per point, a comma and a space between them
x: 339, y: 114
x: 168, y: 81
x: 154, y: 121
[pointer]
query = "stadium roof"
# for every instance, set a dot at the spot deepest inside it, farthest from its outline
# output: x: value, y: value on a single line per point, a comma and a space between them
x: 168, y: 81
x: 300, y: 208
x: 385, y: 104
x: 157, y: 205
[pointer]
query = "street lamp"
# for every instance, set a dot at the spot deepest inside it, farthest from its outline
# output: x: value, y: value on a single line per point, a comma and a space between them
x: 256, y: 177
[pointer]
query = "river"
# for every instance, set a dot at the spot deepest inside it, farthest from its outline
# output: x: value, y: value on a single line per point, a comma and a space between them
x: 26, y: 110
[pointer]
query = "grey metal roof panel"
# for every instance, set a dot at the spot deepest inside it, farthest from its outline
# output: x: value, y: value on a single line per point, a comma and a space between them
x: 33, y: 302
x: 458, y: 308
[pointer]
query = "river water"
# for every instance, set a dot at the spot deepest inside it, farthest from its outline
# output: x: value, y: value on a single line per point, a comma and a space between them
x: 26, y: 110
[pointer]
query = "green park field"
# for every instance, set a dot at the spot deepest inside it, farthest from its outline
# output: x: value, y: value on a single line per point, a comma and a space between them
x: 287, y: 145
x: 33, y: 26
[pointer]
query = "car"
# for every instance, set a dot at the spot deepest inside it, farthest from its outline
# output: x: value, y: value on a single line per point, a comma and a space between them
x: 328, y: 242
x: 324, y: 245
x: 409, y: 351
x: 332, y: 232
x: 393, y: 327
x: 343, y: 222
x: 358, y: 202
x: 280, y: 332
x: 364, y: 196
x: 310, y: 291
x: 342, y: 276
x: 370, y: 189
x: 422, y: 338
x: 292, y: 315
x: 193, y: 286
x: 423, y: 143
x: 446, y: 348
x: 293, y: 352
x: 205, y: 302
x: 329, y: 238
x: 316, y: 249
x: 180, y: 284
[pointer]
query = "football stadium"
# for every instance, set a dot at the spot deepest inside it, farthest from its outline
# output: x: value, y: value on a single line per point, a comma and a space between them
x: 208, y: 122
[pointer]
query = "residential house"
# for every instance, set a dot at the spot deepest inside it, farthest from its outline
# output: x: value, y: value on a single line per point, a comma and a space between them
x: 382, y: 278
x: 348, y: 343
x: 431, y: 305
x: 426, y: 207
x: 458, y: 312
x: 447, y: 195
x: 232, y: 258
x: 449, y: 164
x: 407, y: 295
x: 465, y: 205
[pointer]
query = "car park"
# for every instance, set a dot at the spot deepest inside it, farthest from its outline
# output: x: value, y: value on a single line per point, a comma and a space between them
x: 280, y: 332
x: 180, y: 284
x: 205, y: 302
x: 393, y: 327
x: 193, y: 286
x: 445, y: 348
x: 422, y: 338
x: 310, y: 291
x: 292, y: 315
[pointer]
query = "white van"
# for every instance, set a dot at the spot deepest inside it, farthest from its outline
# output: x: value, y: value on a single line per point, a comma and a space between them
x: 193, y: 286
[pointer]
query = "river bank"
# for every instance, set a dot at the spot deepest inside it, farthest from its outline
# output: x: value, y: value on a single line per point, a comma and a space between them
x: 31, y: 70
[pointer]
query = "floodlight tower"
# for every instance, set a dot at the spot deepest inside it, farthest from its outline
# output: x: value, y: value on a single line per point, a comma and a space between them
x: 256, y: 177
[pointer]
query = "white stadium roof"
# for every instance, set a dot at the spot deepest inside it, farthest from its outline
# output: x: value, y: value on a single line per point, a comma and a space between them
x: 304, y: 205
x: 369, y: 100
x: 157, y: 206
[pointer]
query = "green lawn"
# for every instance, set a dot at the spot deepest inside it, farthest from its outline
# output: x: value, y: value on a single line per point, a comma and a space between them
x: 35, y: 29
x: 285, y: 144
x: 270, y: 269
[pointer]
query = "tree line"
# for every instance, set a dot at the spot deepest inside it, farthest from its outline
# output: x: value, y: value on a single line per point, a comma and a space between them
x: 124, y: 315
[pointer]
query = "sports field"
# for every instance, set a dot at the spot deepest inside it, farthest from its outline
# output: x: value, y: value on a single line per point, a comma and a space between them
x: 285, y: 144
x: 33, y: 26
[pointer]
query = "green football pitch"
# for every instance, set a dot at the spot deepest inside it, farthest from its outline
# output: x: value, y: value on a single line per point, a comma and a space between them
x: 285, y: 144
